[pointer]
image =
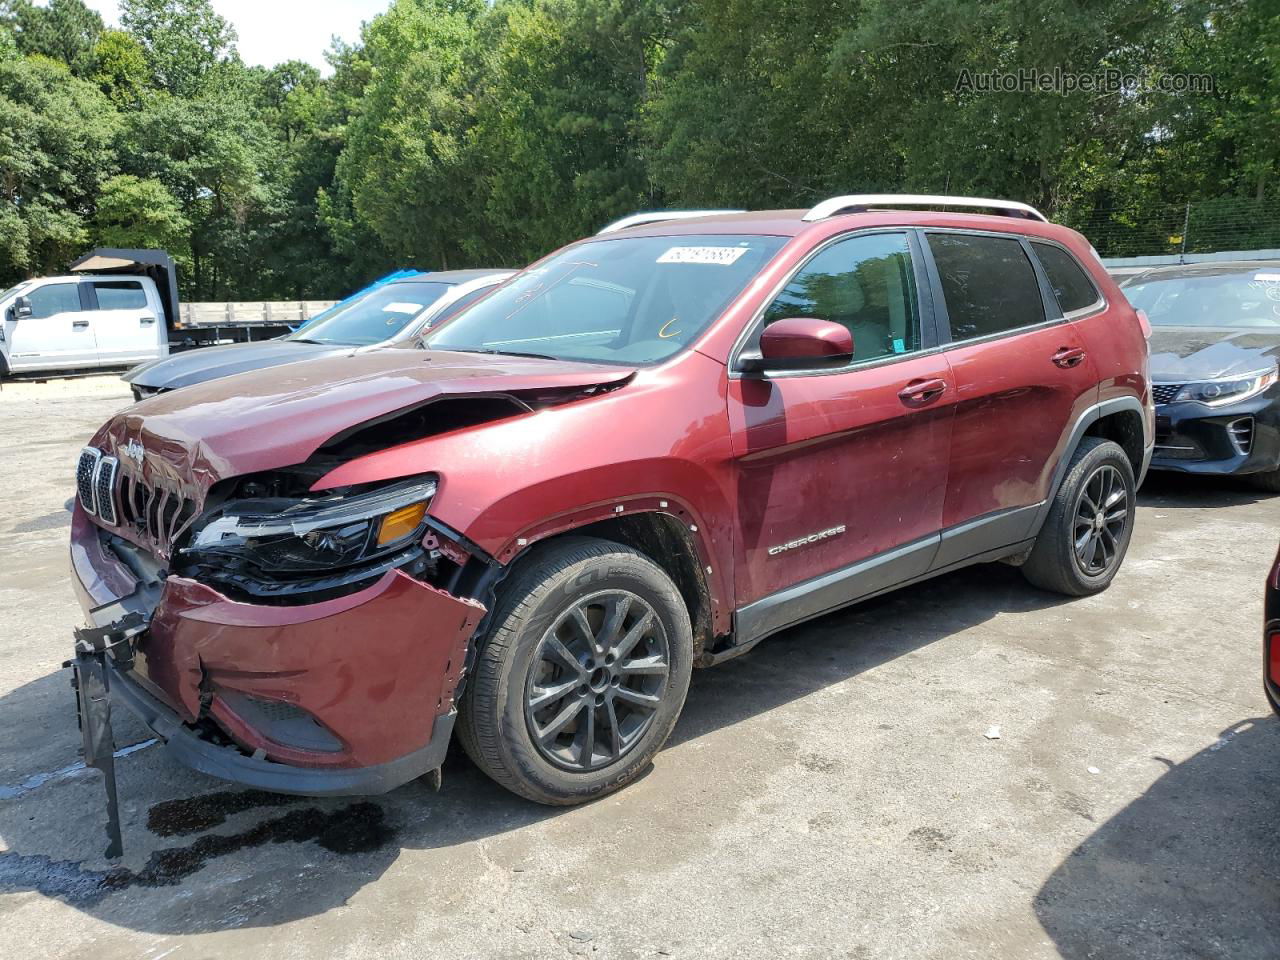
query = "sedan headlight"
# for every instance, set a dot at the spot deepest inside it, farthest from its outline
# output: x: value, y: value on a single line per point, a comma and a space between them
x: 316, y: 534
x: 1219, y: 393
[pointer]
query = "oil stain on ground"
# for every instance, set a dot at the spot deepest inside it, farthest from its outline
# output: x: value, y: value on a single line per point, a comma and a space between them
x: 355, y: 828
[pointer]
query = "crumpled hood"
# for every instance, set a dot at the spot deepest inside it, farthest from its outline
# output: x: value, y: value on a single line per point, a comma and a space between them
x: 1185, y: 354
x: 278, y: 417
x: 209, y: 363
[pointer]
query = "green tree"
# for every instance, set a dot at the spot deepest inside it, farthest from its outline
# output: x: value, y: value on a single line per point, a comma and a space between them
x: 402, y: 163
x: 63, y: 30
x: 120, y: 68
x: 183, y: 40
x: 132, y: 212
x: 553, y: 128
x: 55, y: 151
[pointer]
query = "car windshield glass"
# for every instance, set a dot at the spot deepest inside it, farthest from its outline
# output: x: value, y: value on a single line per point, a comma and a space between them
x: 14, y: 289
x: 630, y: 300
x: 378, y: 315
x: 1236, y: 299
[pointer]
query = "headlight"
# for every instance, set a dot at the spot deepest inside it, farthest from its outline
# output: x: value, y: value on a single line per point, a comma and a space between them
x: 1218, y: 393
x: 321, y: 534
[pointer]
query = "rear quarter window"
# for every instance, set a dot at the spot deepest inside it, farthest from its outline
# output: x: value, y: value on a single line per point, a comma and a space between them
x: 1071, y: 285
x: 988, y: 284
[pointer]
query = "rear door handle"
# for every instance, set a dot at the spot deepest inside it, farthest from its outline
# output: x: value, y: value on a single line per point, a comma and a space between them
x: 919, y: 392
x: 146, y: 320
x: 1069, y: 357
x: 79, y: 323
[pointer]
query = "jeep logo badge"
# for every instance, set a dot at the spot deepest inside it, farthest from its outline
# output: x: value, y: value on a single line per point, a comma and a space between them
x: 134, y: 451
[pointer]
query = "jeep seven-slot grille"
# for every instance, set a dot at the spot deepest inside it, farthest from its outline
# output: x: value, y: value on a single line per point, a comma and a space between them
x: 1165, y: 392
x: 158, y: 513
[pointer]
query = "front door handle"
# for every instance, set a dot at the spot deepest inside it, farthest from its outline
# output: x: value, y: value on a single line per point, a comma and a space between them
x: 919, y: 392
x: 1068, y: 357
x: 79, y: 323
x: 145, y: 321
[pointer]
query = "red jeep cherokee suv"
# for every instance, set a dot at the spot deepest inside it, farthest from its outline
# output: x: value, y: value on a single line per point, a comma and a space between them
x: 647, y: 452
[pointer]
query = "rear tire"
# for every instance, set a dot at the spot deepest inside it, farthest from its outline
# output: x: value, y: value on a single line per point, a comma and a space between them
x: 582, y: 674
x: 1085, y: 537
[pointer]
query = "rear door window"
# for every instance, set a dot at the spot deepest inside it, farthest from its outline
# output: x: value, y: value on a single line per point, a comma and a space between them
x: 120, y: 295
x: 988, y: 284
x: 53, y: 298
x: 1071, y: 285
x: 865, y: 283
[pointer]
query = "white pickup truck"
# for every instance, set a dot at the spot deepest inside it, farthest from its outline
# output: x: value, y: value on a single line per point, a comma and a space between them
x: 118, y: 308
x: 91, y: 318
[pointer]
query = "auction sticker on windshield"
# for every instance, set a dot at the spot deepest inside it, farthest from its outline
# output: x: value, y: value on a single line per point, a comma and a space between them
x: 721, y: 255
x: 400, y: 307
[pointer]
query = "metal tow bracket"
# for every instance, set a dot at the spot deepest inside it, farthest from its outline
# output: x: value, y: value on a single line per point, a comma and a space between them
x: 91, y: 681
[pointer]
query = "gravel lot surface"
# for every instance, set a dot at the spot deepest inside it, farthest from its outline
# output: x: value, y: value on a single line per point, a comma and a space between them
x: 833, y: 794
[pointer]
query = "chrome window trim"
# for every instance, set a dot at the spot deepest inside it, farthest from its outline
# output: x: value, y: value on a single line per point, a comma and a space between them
x: 735, y: 354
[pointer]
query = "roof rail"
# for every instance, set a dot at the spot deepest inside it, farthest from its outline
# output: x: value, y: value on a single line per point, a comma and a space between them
x: 657, y: 216
x: 862, y: 202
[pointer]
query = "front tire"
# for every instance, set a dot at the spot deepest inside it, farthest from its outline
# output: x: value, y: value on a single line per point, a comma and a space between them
x: 582, y: 674
x: 1268, y: 481
x: 1086, y: 535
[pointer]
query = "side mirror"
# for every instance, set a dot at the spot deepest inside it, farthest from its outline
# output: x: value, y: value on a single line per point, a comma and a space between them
x: 21, y: 308
x: 801, y: 343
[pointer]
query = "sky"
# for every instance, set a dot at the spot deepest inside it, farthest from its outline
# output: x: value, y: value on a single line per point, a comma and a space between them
x: 272, y: 31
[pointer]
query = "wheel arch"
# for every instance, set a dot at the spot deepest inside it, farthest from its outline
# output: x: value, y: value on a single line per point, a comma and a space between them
x: 1123, y: 427
x: 670, y: 539
x: 1120, y: 419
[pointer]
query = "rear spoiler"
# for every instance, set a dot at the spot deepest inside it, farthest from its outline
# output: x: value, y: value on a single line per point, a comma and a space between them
x: 155, y: 264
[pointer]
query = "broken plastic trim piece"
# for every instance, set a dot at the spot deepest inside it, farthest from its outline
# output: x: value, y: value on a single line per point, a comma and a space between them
x: 90, y: 679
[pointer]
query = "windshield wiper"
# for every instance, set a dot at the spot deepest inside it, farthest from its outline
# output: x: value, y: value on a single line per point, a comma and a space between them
x: 492, y: 352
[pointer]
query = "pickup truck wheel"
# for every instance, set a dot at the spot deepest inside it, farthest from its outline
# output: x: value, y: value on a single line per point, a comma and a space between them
x: 582, y: 675
x: 1084, y: 539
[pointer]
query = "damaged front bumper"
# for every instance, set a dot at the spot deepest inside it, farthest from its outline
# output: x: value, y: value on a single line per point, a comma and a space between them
x: 348, y: 696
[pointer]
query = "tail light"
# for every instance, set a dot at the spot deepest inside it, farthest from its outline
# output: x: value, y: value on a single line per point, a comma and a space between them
x: 1273, y: 658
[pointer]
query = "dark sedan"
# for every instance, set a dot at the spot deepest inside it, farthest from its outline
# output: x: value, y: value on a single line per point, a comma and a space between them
x: 1214, y: 349
x: 382, y: 315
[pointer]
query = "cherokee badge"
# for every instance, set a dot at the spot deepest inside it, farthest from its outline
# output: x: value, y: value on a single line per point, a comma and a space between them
x: 811, y: 538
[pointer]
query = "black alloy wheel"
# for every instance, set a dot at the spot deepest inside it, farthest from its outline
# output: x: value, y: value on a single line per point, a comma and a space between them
x: 1102, y: 513
x: 598, y: 678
